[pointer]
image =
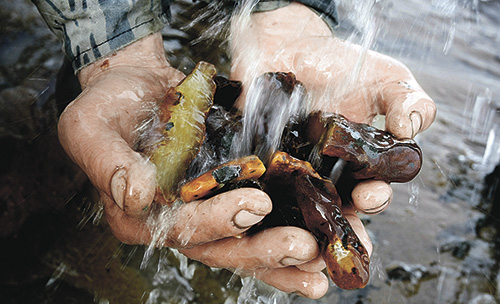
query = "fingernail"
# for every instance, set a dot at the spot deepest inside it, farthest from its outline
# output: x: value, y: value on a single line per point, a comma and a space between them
x: 118, y: 187
x: 371, y: 197
x: 290, y: 261
x: 245, y: 219
x: 416, y: 123
x: 377, y: 209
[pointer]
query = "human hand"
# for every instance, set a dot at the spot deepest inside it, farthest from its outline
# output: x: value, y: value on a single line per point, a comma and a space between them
x: 340, y: 78
x: 97, y: 132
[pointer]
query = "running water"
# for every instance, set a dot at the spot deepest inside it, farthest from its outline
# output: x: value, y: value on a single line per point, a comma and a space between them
x: 268, y: 108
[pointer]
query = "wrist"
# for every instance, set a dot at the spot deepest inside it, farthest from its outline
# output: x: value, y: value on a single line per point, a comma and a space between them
x: 294, y: 20
x: 147, y: 52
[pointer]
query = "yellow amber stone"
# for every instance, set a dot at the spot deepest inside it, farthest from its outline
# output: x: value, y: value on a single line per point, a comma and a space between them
x: 185, y: 107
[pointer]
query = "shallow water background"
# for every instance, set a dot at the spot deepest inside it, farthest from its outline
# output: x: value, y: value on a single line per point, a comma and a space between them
x: 427, y: 245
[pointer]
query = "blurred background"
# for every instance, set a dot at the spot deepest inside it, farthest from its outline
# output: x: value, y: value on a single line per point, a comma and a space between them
x: 437, y: 243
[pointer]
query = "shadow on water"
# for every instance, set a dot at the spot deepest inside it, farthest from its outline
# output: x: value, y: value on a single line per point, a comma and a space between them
x: 438, y: 243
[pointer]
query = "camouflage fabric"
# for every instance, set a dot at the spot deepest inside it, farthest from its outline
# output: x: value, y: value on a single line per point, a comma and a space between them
x: 91, y: 29
x: 326, y: 9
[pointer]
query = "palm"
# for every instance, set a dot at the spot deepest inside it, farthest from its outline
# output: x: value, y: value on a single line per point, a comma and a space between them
x: 340, y: 77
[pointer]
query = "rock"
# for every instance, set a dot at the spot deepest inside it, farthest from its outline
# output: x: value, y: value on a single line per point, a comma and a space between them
x: 483, y: 299
x: 409, y: 272
x: 458, y: 249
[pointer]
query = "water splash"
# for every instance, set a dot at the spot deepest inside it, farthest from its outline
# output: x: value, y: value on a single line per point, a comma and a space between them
x: 187, y: 269
x: 57, y: 275
x: 491, y: 155
x: 216, y: 17
x: 480, y: 112
x: 413, y: 190
x: 254, y: 291
x: 268, y: 108
x: 160, y: 221
x: 447, y: 9
x: 169, y: 285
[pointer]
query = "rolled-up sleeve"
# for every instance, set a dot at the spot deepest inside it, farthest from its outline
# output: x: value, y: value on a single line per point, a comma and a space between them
x: 324, y: 8
x: 91, y: 29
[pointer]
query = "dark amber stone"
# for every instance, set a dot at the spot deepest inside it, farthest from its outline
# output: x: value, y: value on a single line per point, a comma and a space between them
x: 346, y: 258
x: 371, y: 153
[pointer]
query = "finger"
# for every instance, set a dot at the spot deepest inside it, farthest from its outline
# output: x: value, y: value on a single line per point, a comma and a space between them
x: 107, y: 159
x: 372, y: 197
x: 408, y: 109
x: 225, y: 215
x: 312, y: 285
x: 128, y: 229
x: 272, y: 248
x: 410, y: 114
x: 316, y: 265
x: 351, y: 215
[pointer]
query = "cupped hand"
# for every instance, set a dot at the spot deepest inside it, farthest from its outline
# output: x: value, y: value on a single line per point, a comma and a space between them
x: 97, y: 130
x: 339, y: 76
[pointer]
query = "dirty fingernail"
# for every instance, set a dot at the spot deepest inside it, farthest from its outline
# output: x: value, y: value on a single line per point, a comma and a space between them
x: 118, y: 187
x: 416, y: 123
x: 377, y: 209
x: 245, y: 219
x: 290, y: 261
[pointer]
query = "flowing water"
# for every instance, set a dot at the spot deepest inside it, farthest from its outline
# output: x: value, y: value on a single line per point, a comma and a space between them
x: 427, y: 246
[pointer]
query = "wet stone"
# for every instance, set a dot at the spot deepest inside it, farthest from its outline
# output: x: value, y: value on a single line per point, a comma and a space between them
x: 458, y: 249
x: 408, y: 278
x: 483, y: 299
x: 412, y: 273
x: 490, y: 203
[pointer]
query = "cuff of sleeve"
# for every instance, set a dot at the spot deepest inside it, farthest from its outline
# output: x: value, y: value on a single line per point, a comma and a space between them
x: 325, y: 9
x: 90, y: 33
x: 96, y: 50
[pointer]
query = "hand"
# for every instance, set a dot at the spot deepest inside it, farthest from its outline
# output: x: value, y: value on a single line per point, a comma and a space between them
x: 97, y: 132
x: 340, y: 78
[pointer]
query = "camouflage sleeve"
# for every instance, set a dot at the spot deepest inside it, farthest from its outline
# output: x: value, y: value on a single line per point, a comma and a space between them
x: 91, y: 29
x: 326, y: 9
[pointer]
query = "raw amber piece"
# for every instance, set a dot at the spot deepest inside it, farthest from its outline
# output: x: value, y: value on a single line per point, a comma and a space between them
x: 346, y: 258
x: 182, y: 113
x: 227, y: 91
x: 246, y: 168
x: 221, y: 127
x: 370, y: 152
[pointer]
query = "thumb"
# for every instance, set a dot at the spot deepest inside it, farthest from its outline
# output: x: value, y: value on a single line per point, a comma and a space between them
x: 225, y: 215
x: 408, y: 109
x: 133, y: 183
x: 107, y: 159
x: 409, y: 114
x: 188, y: 225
